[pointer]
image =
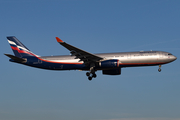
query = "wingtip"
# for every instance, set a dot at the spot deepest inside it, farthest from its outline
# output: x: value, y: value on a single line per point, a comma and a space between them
x: 59, y: 40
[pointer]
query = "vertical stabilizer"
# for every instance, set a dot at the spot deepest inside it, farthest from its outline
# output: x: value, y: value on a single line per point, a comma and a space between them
x: 18, y: 48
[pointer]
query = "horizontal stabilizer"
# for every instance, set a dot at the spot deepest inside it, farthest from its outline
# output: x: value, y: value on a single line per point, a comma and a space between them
x: 16, y: 58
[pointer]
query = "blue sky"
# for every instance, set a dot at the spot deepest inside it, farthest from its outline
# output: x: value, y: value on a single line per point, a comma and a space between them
x: 96, y: 26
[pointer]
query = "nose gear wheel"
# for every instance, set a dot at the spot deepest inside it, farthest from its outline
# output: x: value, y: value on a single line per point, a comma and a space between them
x: 159, y: 68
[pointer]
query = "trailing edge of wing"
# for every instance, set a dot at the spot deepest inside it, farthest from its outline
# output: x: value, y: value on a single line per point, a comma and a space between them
x: 81, y: 54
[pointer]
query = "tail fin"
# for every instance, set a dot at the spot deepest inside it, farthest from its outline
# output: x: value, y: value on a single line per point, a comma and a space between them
x: 18, y: 48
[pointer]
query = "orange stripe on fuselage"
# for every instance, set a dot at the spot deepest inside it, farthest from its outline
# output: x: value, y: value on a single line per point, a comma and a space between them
x: 21, y: 51
x: 58, y: 62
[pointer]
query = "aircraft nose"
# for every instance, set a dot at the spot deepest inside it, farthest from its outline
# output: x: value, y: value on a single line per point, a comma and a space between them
x: 171, y: 58
x: 174, y: 57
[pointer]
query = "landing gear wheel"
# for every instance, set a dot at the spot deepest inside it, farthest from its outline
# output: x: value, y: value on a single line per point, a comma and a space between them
x: 94, y: 75
x: 90, y: 78
x: 87, y: 74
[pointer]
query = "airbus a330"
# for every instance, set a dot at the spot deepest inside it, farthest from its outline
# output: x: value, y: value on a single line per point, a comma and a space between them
x: 109, y: 63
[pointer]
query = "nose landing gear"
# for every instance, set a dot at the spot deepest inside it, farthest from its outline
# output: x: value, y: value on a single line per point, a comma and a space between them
x: 159, y: 68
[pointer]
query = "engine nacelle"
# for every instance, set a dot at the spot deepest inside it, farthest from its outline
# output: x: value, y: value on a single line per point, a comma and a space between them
x: 116, y: 71
x: 109, y: 64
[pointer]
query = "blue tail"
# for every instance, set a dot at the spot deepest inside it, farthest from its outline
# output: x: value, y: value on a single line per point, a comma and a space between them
x: 18, y: 48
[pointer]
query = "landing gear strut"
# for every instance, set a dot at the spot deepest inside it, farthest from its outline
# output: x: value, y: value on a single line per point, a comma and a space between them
x: 159, y: 68
x: 92, y: 73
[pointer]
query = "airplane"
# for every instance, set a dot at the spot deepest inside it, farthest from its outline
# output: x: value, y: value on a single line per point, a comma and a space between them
x: 109, y: 63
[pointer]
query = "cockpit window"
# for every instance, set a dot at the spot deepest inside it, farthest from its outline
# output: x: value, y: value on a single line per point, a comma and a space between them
x: 169, y: 54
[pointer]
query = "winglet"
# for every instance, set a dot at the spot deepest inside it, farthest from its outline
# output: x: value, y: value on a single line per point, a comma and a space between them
x: 59, y: 40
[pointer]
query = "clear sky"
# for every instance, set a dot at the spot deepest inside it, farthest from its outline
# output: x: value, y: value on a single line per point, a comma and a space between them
x: 96, y: 26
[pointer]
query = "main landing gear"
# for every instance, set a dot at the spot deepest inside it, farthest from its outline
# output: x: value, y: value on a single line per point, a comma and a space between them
x: 159, y: 68
x: 92, y: 73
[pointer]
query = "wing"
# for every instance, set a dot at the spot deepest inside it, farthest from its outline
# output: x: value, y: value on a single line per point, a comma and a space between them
x: 81, y: 54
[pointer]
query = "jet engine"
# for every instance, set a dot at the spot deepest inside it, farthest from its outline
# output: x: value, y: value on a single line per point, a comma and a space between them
x: 109, y: 64
x: 116, y: 71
